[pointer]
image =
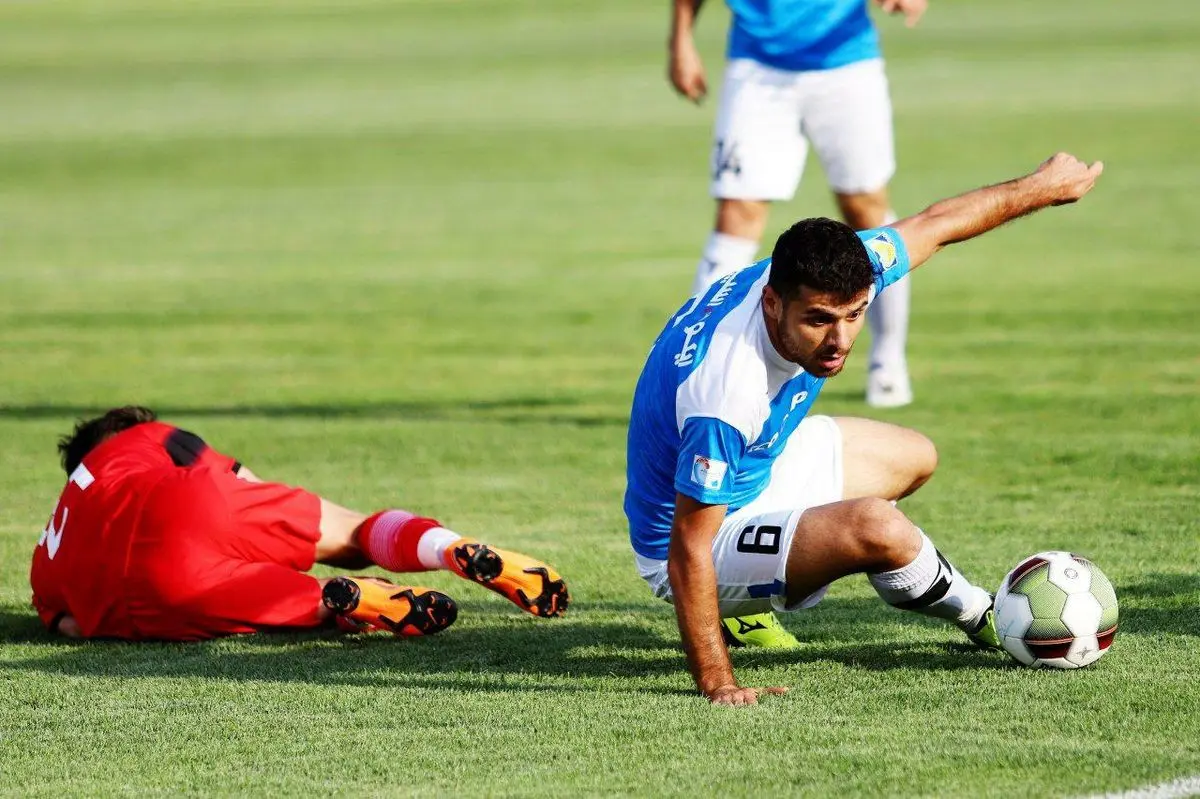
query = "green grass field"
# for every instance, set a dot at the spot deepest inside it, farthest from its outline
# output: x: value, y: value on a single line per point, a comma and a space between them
x: 413, y: 253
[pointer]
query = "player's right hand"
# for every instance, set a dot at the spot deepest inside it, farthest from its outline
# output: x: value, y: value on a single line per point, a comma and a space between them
x: 1065, y: 178
x: 686, y: 70
x: 736, y: 695
x: 912, y: 10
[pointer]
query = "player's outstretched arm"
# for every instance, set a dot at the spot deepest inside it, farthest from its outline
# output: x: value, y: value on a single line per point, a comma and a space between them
x: 1060, y: 179
x: 694, y: 586
x: 684, y: 67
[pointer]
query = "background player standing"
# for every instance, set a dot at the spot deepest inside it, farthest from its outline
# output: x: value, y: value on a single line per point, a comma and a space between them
x: 158, y: 536
x: 801, y: 72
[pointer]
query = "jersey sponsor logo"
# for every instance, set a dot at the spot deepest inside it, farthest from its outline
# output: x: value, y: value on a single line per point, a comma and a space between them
x: 709, y: 472
x: 770, y: 442
x: 727, y: 284
x: 884, y: 250
x: 687, y: 353
x: 797, y: 399
x: 687, y: 309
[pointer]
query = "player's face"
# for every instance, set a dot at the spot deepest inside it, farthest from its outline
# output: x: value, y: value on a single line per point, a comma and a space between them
x: 816, y: 329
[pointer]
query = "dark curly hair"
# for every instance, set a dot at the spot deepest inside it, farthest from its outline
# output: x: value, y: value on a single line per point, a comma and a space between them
x: 89, y: 433
x: 822, y: 254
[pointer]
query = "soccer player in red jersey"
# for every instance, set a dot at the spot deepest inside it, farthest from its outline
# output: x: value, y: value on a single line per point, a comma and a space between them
x: 158, y: 536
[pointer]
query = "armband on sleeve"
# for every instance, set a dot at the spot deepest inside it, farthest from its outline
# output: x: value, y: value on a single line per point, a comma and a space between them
x: 889, y: 256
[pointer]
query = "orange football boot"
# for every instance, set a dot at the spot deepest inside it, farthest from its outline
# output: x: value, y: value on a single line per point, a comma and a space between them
x: 369, y: 603
x: 529, y: 584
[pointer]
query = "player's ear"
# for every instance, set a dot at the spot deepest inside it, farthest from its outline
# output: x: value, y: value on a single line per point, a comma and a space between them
x: 772, y: 303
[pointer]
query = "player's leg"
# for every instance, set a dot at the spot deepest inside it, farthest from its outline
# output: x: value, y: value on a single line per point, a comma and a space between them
x: 758, y: 155
x: 826, y: 514
x: 399, y: 540
x: 299, y: 528
x: 848, y: 119
x: 883, y: 460
x: 807, y: 473
x: 219, y: 555
x: 871, y: 536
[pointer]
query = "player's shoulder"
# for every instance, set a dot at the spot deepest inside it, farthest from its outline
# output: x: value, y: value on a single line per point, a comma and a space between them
x: 136, y: 448
x: 731, y: 382
x: 684, y: 343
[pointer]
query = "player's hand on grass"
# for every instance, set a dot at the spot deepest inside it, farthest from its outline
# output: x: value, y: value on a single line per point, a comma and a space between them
x: 686, y: 70
x: 68, y: 627
x: 1065, y: 178
x: 912, y: 10
x: 736, y: 695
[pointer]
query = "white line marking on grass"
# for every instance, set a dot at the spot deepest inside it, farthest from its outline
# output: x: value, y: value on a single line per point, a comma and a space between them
x: 1175, y: 789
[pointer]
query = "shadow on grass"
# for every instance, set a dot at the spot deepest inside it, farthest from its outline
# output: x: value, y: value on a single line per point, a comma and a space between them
x: 489, y: 652
x: 1161, y: 603
x: 517, y: 410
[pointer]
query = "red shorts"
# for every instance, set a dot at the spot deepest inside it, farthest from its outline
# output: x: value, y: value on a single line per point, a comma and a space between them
x: 216, y: 555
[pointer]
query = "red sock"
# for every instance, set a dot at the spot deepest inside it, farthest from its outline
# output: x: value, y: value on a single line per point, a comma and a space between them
x: 389, y: 538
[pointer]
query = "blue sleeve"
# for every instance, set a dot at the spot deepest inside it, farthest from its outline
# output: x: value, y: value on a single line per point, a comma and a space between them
x: 708, y: 460
x: 889, y: 257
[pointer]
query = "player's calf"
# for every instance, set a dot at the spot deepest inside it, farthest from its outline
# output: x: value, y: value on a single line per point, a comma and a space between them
x: 870, y: 535
x: 922, y: 580
x: 400, y: 541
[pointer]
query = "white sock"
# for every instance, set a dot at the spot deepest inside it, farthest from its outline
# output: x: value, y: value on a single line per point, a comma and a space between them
x: 723, y: 254
x: 930, y: 585
x: 888, y: 317
x: 432, y: 546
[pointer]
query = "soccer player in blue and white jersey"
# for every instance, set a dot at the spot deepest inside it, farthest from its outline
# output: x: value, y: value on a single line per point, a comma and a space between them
x: 737, y: 503
x: 800, y: 73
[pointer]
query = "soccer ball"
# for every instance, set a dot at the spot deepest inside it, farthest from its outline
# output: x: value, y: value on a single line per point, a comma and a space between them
x: 1056, y: 609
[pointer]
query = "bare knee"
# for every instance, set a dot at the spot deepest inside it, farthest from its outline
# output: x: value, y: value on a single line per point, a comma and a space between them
x: 746, y: 219
x: 864, y: 210
x: 882, y: 538
x: 883, y: 460
x: 923, y: 461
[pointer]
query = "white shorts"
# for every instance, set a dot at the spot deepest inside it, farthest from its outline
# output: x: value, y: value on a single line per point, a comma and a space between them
x: 751, y: 549
x: 767, y: 117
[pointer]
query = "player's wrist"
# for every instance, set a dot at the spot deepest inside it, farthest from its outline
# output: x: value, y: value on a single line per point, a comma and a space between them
x: 720, y: 690
x: 1034, y: 191
x: 710, y: 684
x: 681, y: 37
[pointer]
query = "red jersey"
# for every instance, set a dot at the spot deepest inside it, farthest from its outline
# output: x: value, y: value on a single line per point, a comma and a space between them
x: 83, y: 553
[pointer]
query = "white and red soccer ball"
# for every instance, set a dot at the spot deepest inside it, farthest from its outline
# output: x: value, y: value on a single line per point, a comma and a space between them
x: 1056, y: 609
